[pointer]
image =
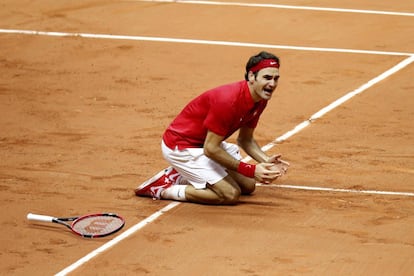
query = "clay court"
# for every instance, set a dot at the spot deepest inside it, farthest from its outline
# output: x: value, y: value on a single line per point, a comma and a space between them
x: 88, y: 87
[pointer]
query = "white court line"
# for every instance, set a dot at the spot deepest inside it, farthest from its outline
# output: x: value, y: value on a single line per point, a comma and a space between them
x: 202, y: 41
x: 285, y: 136
x: 337, y: 190
x: 119, y: 238
x: 340, y: 101
x: 276, y: 6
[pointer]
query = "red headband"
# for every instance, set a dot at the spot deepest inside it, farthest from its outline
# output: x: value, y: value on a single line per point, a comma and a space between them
x: 265, y: 63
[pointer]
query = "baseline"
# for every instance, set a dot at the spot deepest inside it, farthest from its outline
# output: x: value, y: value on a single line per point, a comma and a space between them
x: 201, y: 41
x: 277, y: 6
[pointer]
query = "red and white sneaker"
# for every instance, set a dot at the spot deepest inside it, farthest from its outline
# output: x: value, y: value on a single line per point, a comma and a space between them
x: 155, y: 185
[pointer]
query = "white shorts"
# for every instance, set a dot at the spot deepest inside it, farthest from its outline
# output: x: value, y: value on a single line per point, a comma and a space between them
x: 197, y: 168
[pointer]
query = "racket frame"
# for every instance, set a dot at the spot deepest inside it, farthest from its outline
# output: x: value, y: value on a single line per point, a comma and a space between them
x: 63, y: 221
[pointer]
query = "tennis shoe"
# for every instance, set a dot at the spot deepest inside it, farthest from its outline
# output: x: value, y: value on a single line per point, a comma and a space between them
x: 154, y: 186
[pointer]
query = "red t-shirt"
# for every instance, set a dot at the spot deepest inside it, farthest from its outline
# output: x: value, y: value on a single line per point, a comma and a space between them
x: 222, y: 110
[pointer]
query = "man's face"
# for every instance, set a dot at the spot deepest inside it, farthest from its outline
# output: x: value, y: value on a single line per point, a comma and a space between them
x: 264, y: 84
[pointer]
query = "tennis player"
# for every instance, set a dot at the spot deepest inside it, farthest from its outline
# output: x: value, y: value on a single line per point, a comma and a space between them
x: 204, y: 167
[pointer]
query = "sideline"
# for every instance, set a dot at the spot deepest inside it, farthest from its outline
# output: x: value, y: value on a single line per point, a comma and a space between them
x: 277, y: 6
x: 285, y: 136
x: 202, y: 41
x: 119, y: 238
x: 340, y: 101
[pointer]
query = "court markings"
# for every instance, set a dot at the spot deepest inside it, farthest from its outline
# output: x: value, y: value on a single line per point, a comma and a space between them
x: 341, y: 100
x: 298, y: 128
x: 277, y: 6
x: 202, y: 41
x: 285, y: 136
x: 117, y: 239
x: 338, y: 190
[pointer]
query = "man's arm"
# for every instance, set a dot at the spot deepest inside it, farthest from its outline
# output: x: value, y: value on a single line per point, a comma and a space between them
x: 213, y: 150
x: 247, y: 142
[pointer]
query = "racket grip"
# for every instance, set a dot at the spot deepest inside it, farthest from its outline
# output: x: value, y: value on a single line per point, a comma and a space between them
x: 31, y: 216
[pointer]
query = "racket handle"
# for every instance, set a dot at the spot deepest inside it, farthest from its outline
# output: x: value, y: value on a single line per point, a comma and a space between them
x: 31, y: 216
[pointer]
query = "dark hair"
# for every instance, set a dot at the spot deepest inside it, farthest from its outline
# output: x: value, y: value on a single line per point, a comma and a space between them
x: 256, y: 59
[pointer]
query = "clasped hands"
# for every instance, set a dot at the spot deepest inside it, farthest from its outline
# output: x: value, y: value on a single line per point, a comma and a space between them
x: 269, y: 171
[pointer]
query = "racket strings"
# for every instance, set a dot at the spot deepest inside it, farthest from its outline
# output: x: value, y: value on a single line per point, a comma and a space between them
x: 97, y: 225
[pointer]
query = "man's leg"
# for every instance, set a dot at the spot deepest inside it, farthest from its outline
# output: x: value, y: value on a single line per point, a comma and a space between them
x: 224, y: 192
x: 247, y: 185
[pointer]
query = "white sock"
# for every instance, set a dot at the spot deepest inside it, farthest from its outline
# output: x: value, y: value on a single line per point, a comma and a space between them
x: 175, y: 192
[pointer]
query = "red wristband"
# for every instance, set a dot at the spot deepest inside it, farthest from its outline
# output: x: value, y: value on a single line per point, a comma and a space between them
x: 246, y: 169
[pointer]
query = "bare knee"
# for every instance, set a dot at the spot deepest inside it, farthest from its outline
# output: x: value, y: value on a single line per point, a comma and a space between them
x: 248, y: 186
x: 227, y: 192
x: 230, y: 196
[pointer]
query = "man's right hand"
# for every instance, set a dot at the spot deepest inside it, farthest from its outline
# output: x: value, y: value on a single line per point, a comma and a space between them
x: 268, y: 172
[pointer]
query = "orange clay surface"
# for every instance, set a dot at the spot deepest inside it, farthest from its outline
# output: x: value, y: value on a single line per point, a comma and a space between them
x: 81, y: 121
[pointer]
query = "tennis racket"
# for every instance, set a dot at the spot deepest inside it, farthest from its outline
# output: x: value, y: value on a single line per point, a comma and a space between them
x: 87, y: 226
